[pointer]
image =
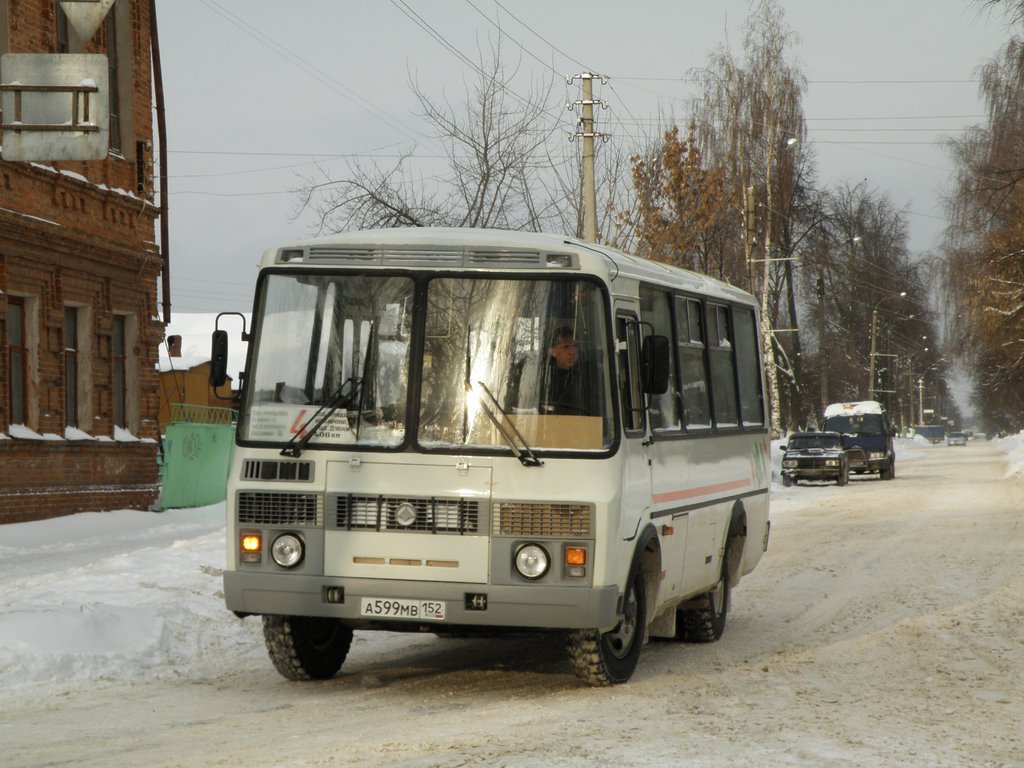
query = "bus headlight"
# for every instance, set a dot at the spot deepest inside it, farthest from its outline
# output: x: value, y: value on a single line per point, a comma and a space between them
x: 287, y: 550
x: 532, y: 561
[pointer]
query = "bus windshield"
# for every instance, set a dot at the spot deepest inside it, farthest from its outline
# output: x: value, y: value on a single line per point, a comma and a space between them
x: 496, y: 358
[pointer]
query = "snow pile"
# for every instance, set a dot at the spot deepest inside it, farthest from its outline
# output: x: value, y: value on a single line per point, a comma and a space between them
x: 1013, y: 447
x: 125, y: 595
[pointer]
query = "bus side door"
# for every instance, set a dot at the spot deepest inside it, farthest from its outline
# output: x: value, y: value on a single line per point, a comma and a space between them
x: 636, y: 469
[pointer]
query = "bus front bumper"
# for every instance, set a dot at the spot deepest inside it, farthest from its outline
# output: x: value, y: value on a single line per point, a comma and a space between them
x: 530, y: 606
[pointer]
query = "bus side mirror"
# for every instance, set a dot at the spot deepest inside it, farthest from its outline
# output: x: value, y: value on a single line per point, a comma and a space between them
x: 656, y: 364
x: 219, y: 359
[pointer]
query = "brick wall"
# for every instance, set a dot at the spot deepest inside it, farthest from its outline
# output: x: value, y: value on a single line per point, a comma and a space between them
x: 83, y: 234
x: 32, y: 28
x: 43, y: 479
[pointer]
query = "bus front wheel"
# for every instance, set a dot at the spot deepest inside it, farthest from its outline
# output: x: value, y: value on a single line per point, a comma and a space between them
x: 609, y: 658
x: 306, y: 647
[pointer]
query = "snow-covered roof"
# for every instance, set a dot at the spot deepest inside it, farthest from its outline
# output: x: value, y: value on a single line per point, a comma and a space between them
x: 853, y: 409
x: 196, y: 330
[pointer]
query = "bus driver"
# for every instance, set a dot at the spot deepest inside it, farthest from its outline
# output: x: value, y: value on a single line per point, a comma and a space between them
x: 566, y: 388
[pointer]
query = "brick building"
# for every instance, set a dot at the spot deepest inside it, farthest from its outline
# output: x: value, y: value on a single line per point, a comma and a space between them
x: 79, y: 267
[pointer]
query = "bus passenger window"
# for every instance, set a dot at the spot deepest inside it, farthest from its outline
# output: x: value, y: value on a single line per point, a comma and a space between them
x: 692, y: 370
x: 749, y: 368
x: 723, y: 369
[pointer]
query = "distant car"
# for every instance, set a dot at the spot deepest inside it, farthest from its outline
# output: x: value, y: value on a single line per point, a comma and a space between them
x: 956, y: 438
x: 815, y: 456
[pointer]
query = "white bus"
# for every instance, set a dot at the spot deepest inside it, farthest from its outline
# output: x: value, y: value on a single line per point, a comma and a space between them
x: 461, y: 430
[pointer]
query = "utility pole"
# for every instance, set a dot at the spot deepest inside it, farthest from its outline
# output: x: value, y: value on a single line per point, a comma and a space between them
x: 822, y: 346
x: 585, y: 130
x: 874, y: 334
x: 871, y: 360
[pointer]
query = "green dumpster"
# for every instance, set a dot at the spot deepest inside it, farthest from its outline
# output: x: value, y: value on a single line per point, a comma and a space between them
x: 197, y: 454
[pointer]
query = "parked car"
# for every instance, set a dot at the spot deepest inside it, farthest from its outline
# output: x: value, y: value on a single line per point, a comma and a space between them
x: 956, y: 438
x: 867, y: 436
x: 815, y: 456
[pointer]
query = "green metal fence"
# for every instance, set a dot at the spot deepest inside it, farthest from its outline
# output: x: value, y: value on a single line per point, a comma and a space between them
x: 197, y: 454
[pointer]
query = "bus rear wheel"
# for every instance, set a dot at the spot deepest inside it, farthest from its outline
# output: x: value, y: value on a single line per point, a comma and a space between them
x: 703, y: 620
x: 306, y: 647
x: 609, y: 658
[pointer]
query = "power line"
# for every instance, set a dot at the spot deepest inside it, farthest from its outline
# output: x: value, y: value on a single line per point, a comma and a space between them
x: 311, y: 69
x: 522, y: 47
x: 544, y: 40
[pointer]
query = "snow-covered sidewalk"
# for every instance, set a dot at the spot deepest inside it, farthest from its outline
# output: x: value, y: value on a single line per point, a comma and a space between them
x: 121, y: 594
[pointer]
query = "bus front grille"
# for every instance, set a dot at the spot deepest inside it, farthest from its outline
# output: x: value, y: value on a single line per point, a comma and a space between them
x: 263, y: 469
x: 273, y: 509
x: 517, y: 518
x: 399, y: 513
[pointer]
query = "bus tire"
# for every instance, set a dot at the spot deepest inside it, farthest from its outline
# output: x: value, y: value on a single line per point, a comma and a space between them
x: 609, y: 658
x: 703, y: 620
x: 306, y: 647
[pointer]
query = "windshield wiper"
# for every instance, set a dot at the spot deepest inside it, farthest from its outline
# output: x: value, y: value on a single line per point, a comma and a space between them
x: 350, y: 393
x: 525, y: 454
x: 347, y: 394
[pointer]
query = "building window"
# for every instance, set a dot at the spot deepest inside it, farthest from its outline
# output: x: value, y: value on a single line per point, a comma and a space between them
x: 63, y: 41
x: 17, y: 359
x: 114, y: 102
x: 71, y: 372
x: 119, y: 371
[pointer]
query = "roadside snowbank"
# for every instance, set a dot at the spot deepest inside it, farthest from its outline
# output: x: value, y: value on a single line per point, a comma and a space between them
x: 117, y: 595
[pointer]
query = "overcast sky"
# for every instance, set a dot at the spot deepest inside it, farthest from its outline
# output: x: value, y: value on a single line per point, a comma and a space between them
x: 258, y: 92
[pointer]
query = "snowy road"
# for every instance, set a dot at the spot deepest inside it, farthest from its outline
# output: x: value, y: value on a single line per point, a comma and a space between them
x: 885, y: 626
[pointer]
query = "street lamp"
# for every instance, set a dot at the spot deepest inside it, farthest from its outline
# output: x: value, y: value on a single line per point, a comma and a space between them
x: 920, y: 387
x: 874, y: 338
x: 911, y: 412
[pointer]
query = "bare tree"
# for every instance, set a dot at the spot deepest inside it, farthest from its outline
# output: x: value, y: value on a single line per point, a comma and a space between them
x: 495, y: 145
x: 749, y: 117
x: 507, y: 165
x: 1013, y: 9
x: 857, y: 263
x: 984, y: 275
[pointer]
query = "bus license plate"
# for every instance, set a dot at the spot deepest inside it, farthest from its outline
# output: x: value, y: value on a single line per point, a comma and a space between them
x: 396, y: 608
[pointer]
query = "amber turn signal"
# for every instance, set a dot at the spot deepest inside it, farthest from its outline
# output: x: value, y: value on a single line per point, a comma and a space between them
x: 575, y: 556
x: 252, y: 547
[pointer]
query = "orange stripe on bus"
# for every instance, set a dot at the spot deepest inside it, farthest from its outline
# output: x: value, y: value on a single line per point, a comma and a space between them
x: 703, y: 490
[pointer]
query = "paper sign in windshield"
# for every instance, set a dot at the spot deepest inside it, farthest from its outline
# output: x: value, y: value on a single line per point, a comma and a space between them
x: 284, y: 422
